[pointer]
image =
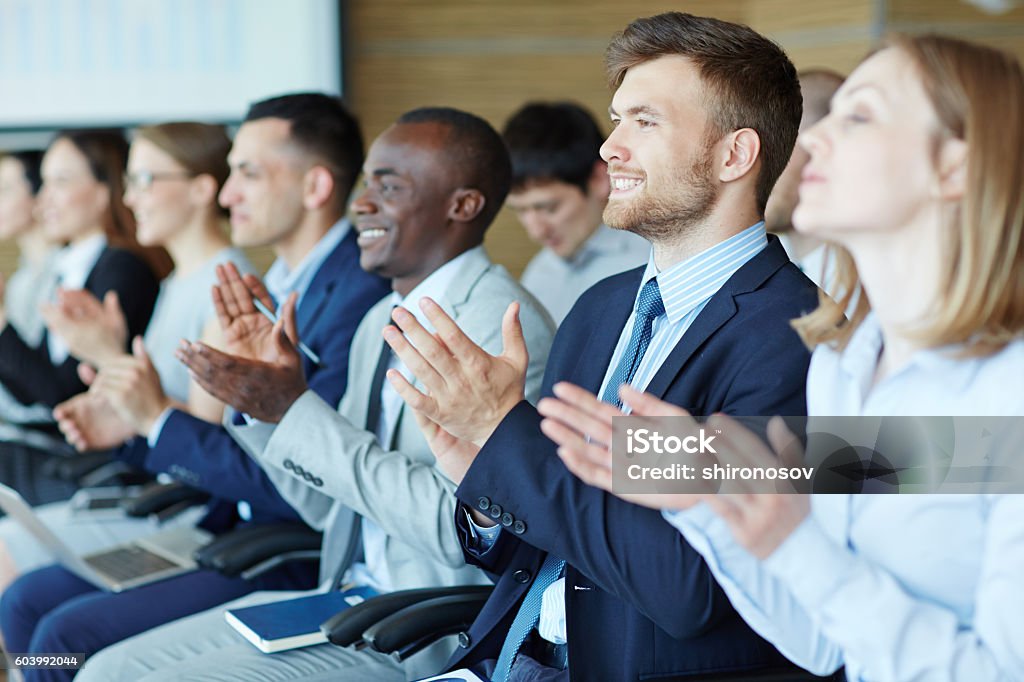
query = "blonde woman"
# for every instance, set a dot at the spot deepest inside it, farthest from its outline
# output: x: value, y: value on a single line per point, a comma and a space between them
x: 916, y: 175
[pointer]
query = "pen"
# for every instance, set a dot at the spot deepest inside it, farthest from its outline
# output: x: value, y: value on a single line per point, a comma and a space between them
x: 269, y: 314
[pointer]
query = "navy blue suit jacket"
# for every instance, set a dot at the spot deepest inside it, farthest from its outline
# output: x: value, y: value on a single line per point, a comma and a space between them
x: 205, y: 456
x: 640, y: 602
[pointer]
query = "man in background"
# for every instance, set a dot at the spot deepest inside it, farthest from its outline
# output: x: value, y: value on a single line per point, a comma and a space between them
x: 559, y: 190
x: 817, y: 87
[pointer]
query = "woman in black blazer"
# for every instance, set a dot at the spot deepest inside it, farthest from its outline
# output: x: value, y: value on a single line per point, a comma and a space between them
x: 81, y: 206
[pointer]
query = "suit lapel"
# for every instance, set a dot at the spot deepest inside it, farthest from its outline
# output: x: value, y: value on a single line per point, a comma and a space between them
x: 326, y: 278
x: 457, y: 293
x: 719, y: 310
x: 716, y: 313
x: 596, y: 354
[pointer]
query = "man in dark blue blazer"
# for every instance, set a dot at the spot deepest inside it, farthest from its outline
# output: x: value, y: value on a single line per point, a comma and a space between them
x: 293, y: 164
x: 589, y: 587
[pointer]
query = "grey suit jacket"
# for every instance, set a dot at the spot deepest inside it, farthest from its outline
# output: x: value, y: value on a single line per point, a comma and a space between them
x: 336, y: 470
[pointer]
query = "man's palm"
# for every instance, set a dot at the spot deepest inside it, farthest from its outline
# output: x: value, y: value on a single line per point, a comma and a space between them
x: 250, y: 336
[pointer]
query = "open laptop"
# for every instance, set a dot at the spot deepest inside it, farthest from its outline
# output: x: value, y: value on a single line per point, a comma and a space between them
x: 122, y: 567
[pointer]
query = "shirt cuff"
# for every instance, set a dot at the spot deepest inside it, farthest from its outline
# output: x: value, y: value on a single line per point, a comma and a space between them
x: 158, y: 426
x: 811, y: 565
x: 483, y: 536
x: 697, y: 516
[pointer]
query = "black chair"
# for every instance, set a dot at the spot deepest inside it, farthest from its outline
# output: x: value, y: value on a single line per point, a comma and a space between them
x: 253, y: 550
x: 368, y: 624
x: 163, y: 501
x: 402, y: 623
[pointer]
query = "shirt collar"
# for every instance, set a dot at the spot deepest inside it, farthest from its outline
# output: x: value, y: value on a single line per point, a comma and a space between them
x: 281, y: 281
x: 688, y: 284
x: 74, y: 262
x: 859, y: 360
x: 434, y: 286
x: 603, y: 240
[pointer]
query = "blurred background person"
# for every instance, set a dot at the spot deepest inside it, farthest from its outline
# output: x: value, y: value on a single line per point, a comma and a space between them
x: 559, y: 191
x: 81, y: 208
x: 34, y: 281
x: 809, y: 253
x: 31, y: 283
x: 175, y: 172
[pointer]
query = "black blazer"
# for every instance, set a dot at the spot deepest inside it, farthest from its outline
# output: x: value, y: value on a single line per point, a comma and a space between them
x: 640, y: 603
x: 27, y: 371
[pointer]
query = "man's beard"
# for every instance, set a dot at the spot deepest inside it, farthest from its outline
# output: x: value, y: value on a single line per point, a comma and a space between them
x: 690, y: 199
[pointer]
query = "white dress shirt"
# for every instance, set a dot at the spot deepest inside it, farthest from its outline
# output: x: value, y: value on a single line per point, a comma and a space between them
x: 373, y: 570
x: 31, y: 285
x: 896, y: 587
x: 557, y: 282
x: 72, y: 267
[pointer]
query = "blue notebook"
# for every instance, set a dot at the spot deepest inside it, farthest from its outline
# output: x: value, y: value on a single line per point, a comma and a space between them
x: 460, y: 675
x: 293, y: 623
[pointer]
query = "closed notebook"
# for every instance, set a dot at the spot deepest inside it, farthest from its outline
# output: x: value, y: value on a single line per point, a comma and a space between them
x: 460, y: 675
x: 293, y: 623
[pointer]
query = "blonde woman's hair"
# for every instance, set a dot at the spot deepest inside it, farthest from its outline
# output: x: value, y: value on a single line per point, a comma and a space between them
x: 978, y: 95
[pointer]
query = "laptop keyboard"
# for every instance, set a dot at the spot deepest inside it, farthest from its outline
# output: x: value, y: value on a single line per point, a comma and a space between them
x: 128, y: 562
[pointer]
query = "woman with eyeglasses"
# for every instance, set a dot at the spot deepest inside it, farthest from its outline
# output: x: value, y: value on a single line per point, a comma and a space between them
x: 916, y: 175
x: 174, y: 174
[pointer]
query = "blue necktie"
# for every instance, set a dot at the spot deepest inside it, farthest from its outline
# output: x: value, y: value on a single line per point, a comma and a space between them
x: 527, y: 617
x: 649, y: 306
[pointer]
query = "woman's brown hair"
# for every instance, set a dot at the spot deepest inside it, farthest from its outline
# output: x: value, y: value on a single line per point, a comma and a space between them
x: 106, y: 152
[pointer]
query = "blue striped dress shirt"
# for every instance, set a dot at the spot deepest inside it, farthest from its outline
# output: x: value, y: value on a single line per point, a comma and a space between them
x: 686, y: 288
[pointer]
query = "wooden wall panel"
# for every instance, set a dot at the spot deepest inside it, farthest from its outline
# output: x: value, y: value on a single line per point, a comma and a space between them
x: 459, y: 20
x: 8, y: 258
x: 951, y: 11
x: 489, y: 56
x: 774, y: 17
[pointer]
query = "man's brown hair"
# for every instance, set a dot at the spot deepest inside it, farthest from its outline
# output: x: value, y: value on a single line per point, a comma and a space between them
x: 749, y: 80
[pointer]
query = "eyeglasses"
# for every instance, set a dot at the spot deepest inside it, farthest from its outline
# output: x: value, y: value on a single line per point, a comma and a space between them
x: 143, y: 180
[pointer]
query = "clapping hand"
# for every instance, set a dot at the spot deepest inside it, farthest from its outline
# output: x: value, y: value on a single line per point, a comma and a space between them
x: 581, y: 426
x: 261, y: 374
x: 94, y: 332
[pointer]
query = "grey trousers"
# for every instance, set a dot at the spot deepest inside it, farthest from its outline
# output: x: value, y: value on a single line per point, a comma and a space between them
x: 204, y: 647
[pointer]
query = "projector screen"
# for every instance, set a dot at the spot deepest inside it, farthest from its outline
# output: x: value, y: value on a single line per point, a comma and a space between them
x: 116, y: 62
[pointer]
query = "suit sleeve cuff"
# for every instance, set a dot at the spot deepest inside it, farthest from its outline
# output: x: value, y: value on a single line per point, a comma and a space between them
x: 158, y: 426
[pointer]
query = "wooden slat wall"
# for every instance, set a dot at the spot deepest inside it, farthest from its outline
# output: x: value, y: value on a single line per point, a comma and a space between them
x: 490, y: 56
x: 1005, y: 31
